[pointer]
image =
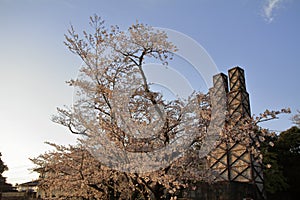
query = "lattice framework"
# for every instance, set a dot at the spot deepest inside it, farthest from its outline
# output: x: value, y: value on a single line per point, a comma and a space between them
x: 232, y: 161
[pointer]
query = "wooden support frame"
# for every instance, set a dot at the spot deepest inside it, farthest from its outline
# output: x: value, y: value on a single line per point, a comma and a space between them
x: 232, y: 161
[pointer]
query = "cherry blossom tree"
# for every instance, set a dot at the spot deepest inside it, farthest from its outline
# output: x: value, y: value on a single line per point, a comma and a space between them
x: 134, y: 143
x: 118, y: 128
x: 72, y: 171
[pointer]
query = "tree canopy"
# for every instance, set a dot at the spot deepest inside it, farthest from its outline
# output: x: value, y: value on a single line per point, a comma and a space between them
x: 282, y: 178
x: 3, y: 167
x: 4, y: 187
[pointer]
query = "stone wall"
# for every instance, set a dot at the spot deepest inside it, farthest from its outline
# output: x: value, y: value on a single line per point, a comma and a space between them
x: 222, y: 191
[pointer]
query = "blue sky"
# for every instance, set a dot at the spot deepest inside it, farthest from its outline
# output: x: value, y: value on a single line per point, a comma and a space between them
x: 261, y: 36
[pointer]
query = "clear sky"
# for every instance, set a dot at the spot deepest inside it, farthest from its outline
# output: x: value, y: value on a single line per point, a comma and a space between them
x: 261, y: 36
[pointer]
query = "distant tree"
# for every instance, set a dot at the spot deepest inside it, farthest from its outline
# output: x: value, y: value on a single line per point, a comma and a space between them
x: 4, y: 187
x: 288, y: 147
x: 3, y: 167
x: 274, y: 179
x: 282, y: 178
